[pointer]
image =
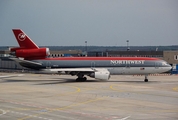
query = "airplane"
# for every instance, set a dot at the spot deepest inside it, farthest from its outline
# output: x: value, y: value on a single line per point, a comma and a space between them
x: 29, y: 55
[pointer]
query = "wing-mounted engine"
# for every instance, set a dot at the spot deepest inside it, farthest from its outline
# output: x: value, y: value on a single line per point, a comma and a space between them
x: 101, y: 74
x: 30, y: 53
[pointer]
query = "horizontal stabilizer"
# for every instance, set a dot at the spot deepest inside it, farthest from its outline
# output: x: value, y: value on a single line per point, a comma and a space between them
x: 21, y: 60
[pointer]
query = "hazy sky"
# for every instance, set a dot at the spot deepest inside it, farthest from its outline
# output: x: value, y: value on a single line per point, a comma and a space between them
x: 99, y: 22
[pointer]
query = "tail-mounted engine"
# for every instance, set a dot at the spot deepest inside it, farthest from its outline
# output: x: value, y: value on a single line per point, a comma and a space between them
x: 30, y: 53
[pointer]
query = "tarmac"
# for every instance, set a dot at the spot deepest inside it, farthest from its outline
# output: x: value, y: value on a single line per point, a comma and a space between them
x: 59, y: 97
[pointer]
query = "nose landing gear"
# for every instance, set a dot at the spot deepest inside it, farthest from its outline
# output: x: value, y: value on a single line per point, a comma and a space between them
x: 146, y: 78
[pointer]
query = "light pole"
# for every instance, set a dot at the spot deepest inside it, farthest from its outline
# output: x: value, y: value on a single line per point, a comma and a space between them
x: 128, y: 45
x: 85, y: 48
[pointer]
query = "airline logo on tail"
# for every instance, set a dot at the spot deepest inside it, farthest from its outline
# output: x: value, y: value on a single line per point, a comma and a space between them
x: 27, y: 48
x: 21, y: 36
x: 23, y: 40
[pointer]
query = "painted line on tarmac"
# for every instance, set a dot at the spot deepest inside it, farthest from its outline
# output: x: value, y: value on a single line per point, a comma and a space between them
x: 77, y: 104
x: 68, y: 93
x: 3, y: 112
x: 175, y: 88
x: 77, y: 91
x: 23, y: 104
x: 62, y: 108
x: 165, y: 110
x: 138, y: 92
x: 27, y: 109
x: 124, y: 118
x: 112, y: 87
x: 19, y: 113
x: 48, y: 110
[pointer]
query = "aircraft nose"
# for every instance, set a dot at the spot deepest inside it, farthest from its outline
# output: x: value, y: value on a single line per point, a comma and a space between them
x: 169, y: 67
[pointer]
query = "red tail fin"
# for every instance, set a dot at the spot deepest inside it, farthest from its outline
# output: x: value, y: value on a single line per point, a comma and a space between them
x: 23, y: 40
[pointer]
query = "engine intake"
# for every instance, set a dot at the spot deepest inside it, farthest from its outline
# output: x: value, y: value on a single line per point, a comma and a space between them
x: 102, y: 75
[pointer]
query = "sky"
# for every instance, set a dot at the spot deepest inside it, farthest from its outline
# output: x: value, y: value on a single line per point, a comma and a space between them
x: 99, y: 22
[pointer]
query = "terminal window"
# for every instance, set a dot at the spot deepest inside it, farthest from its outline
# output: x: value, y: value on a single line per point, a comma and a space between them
x: 175, y: 57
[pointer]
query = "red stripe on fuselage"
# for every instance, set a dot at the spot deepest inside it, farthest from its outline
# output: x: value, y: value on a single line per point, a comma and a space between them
x: 101, y: 58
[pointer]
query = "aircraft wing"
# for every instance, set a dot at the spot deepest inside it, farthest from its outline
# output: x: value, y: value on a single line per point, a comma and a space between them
x: 59, y: 70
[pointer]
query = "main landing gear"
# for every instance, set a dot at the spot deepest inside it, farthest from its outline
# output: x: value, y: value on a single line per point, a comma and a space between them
x: 81, y: 78
x: 146, y: 78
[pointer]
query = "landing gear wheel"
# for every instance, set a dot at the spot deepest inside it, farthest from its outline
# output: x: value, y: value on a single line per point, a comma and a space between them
x: 84, y: 78
x: 146, y: 80
x: 77, y: 80
x: 81, y: 79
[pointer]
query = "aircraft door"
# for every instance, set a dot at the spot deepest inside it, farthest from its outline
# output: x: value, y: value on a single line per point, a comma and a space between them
x: 48, y: 65
x: 92, y: 64
x: 127, y: 68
